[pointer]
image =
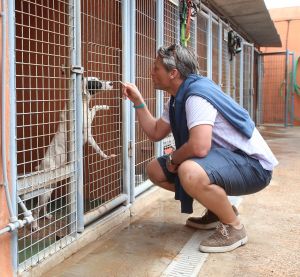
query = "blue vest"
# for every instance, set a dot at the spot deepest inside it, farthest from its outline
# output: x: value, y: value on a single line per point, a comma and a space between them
x: 197, y: 85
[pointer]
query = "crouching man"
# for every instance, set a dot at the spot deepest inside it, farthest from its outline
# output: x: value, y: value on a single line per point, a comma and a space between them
x: 219, y: 152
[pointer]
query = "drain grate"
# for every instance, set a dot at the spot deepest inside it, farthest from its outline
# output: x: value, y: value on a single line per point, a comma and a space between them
x: 189, y: 260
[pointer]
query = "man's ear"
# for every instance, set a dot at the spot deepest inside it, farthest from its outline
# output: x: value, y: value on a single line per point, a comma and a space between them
x: 174, y: 73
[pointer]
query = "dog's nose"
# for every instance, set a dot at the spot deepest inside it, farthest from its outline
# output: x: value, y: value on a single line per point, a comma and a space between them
x: 110, y: 84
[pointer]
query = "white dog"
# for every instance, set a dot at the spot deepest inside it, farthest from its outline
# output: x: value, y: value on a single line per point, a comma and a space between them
x: 56, y: 156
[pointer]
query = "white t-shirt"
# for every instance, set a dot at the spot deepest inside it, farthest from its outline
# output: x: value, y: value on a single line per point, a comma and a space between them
x: 199, y: 111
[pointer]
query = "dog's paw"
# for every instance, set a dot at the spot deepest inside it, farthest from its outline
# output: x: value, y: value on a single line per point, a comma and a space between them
x: 49, y: 216
x: 101, y: 107
x: 34, y: 226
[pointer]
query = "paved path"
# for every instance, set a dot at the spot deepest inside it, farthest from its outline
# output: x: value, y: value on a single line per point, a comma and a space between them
x: 148, y: 245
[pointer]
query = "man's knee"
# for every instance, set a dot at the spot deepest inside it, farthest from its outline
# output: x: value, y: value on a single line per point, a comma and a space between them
x: 192, y: 174
x: 154, y: 172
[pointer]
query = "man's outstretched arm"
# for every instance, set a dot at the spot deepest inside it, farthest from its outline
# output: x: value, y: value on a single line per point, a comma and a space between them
x: 155, y: 129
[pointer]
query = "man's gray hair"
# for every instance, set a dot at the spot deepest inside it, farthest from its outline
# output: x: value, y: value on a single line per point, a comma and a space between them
x: 179, y: 57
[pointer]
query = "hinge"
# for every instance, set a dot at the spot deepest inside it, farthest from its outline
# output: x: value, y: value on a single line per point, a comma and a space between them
x: 130, y: 148
x: 77, y: 69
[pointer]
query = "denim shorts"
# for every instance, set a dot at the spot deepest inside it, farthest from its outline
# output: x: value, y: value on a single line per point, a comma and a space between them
x: 236, y: 172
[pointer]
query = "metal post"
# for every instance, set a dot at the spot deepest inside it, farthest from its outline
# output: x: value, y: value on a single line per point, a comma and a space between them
x: 13, y: 146
x: 220, y: 44
x: 259, y: 91
x: 132, y: 17
x: 159, y: 42
x: 228, y: 74
x: 76, y: 57
x: 251, y: 81
x: 3, y: 117
x: 292, y: 89
x: 233, y: 85
x: 286, y: 102
x: 242, y: 74
x: 125, y: 103
x: 195, y: 40
x: 209, y: 47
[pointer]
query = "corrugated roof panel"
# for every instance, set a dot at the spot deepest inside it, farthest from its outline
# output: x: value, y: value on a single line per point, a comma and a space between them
x: 252, y: 17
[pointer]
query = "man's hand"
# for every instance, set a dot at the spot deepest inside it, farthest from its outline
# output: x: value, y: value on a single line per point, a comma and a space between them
x: 155, y: 129
x: 132, y: 92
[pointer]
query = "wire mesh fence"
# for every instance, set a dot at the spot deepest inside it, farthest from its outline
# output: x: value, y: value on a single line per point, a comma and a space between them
x: 247, y: 85
x: 101, y: 59
x: 193, y: 35
x: 232, y: 77
x: 171, y: 22
x: 145, y: 56
x: 277, y: 73
x: 215, y: 52
x: 202, y: 36
x: 225, y: 85
x: 237, y: 77
x: 45, y: 127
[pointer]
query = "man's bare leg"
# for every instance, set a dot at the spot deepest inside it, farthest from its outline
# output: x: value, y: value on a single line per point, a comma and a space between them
x: 196, y: 183
x: 157, y: 176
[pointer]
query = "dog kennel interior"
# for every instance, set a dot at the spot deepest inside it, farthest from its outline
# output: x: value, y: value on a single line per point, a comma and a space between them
x: 46, y: 110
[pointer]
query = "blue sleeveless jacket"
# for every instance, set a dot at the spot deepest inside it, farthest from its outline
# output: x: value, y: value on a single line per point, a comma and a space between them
x: 201, y: 86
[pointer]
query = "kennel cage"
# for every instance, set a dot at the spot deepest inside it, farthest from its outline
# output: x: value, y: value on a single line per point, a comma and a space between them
x: 275, y: 101
x: 145, y: 54
x: 45, y: 105
x: 101, y: 58
x: 47, y: 119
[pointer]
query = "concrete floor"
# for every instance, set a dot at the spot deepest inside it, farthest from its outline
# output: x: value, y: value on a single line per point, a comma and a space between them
x: 150, y: 243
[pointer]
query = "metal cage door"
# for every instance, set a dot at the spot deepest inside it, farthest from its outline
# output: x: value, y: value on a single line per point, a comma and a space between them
x: 248, y: 90
x: 276, y: 71
x: 101, y: 45
x: 45, y: 127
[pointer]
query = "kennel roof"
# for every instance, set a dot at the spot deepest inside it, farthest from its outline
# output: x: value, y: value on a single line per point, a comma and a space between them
x: 251, y: 18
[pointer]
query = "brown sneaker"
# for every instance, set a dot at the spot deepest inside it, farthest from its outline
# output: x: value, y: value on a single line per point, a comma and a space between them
x: 224, y: 239
x: 208, y: 221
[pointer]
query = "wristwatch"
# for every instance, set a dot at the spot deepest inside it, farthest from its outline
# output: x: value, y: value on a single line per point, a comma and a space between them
x: 170, y: 160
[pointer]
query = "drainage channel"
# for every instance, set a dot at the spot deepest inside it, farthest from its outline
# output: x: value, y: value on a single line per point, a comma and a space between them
x: 189, y: 260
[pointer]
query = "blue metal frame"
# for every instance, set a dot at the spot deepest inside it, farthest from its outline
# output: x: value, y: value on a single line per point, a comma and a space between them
x: 293, y: 89
x: 159, y: 42
x: 209, y: 46
x: 251, y: 81
x: 220, y: 51
x: 126, y: 38
x: 259, y: 91
x: 132, y: 65
x: 242, y: 74
x: 76, y: 58
x: 13, y: 146
x: 233, y: 74
x: 286, y: 101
